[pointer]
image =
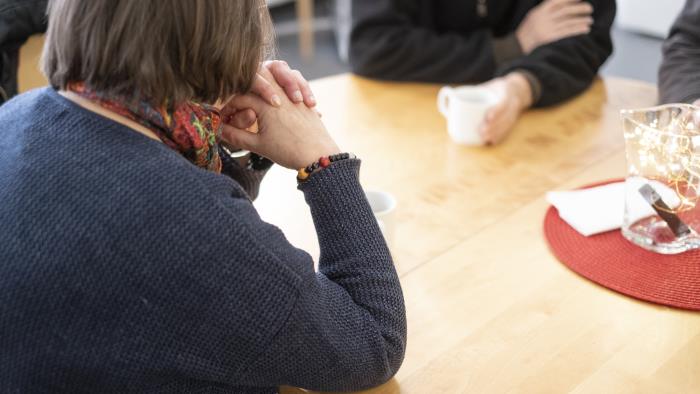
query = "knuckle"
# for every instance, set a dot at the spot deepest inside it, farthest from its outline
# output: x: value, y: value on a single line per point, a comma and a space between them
x: 277, y: 65
x: 266, y: 89
x: 298, y: 75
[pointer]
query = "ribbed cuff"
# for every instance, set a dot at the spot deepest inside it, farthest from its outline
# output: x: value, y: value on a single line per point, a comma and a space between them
x: 340, y: 175
x: 506, y: 48
x: 341, y: 213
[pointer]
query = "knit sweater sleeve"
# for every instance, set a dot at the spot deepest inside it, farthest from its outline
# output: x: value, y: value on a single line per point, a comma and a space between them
x: 346, y: 327
x: 567, y: 67
x: 387, y: 42
x: 248, y: 178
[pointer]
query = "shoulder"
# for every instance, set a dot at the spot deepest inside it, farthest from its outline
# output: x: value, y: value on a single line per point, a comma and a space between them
x: 26, y: 103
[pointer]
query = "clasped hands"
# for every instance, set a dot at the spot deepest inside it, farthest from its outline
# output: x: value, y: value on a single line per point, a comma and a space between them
x: 277, y: 119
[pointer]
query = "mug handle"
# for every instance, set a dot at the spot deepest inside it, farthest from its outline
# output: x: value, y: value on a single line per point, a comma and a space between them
x: 444, y: 100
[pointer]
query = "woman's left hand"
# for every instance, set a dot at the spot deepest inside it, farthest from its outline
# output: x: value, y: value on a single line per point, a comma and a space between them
x: 295, y: 86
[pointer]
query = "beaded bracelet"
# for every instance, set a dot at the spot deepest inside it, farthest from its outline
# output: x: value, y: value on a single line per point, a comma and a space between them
x: 322, y: 163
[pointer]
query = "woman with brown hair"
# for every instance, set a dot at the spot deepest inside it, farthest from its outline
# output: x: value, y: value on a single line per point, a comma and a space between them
x: 130, y: 262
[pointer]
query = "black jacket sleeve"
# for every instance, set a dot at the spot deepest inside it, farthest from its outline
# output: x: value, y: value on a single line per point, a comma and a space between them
x: 679, y: 76
x: 19, y: 19
x: 388, y: 42
x: 567, y: 67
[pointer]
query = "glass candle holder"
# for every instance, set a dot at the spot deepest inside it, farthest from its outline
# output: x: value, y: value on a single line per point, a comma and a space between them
x: 662, y: 189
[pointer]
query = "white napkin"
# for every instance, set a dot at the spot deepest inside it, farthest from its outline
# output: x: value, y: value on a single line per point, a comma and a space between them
x: 600, y: 209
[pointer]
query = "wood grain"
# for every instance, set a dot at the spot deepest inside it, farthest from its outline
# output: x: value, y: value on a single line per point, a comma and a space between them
x: 489, y: 308
x: 451, y: 190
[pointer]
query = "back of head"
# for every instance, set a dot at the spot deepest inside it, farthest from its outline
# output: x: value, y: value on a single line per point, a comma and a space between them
x: 165, y: 50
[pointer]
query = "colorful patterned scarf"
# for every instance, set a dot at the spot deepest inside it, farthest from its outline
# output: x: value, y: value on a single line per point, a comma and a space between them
x: 192, y: 129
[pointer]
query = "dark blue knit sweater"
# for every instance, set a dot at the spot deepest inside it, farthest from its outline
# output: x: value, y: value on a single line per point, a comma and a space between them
x: 124, y: 268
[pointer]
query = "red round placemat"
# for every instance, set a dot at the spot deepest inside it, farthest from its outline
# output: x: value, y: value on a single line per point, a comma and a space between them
x: 614, y: 262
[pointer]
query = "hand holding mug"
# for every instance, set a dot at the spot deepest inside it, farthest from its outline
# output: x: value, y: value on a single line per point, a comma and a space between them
x: 553, y: 20
x: 464, y: 108
x: 513, y: 96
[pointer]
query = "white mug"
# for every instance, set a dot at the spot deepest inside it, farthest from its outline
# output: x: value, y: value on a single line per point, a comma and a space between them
x: 383, y: 206
x: 465, y: 108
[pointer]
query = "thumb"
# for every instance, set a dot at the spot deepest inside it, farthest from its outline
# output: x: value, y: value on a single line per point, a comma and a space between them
x: 495, y: 112
x: 490, y: 115
x: 239, y: 138
x: 245, y: 102
x: 243, y: 120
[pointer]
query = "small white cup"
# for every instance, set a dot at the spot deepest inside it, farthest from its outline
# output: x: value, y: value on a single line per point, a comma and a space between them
x: 465, y: 108
x: 383, y: 206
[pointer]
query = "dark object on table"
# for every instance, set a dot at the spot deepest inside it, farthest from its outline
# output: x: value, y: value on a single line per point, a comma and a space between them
x: 664, y: 211
x: 613, y: 262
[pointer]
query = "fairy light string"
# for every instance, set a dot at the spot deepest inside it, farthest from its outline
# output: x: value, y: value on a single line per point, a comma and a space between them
x: 668, y: 152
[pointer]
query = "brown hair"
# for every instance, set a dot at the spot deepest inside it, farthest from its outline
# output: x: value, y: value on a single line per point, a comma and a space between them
x: 165, y: 50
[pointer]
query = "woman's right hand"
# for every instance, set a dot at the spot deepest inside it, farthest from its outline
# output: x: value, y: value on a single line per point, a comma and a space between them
x: 291, y: 134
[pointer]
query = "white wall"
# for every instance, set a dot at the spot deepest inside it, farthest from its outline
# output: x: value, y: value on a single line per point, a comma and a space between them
x: 343, y: 13
x: 653, y: 17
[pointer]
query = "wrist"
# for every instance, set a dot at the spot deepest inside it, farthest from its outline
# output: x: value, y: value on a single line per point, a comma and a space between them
x: 324, y: 162
x: 313, y: 155
x: 521, y: 89
x: 524, y: 41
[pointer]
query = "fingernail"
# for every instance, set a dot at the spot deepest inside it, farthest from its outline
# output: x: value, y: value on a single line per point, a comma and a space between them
x: 276, y: 101
x: 312, y: 99
x: 298, y: 97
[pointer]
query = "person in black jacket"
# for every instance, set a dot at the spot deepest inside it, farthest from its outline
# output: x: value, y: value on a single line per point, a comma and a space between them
x: 530, y: 52
x: 679, y: 77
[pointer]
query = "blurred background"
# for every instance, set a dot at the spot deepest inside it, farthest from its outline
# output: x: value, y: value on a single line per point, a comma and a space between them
x: 312, y: 36
x: 640, y: 28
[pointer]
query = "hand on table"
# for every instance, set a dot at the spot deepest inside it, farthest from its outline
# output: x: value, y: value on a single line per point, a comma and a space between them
x: 272, y: 74
x: 291, y: 134
x: 553, y: 20
x: 514, y: 95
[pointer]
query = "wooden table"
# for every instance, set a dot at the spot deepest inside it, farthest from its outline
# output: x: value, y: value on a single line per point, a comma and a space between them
x: 490, y: 310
